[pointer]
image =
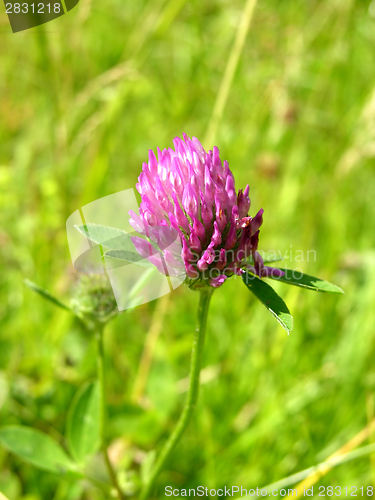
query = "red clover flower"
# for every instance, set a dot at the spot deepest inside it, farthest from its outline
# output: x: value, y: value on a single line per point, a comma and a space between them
x: 195, y: 221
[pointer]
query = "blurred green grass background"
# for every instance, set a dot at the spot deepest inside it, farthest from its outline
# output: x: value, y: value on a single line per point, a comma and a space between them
x: 82, y: 99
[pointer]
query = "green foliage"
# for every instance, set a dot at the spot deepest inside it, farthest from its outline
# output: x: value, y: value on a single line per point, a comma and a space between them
x: 36, y: 448
x: 293, y: 277
x: 83, y: 422
x: 45, y: 294
x: 269, y: 298
x: 275, y: 304
x: 147, y: 466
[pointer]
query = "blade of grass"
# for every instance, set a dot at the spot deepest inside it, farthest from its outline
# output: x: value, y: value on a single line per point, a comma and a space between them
x: 46, y: 294
x: 149, y: 349
x: 229, y: 72
x: 323, y: 469
x: 319, y: 469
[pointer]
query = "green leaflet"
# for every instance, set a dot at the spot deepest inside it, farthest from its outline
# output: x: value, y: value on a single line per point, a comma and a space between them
x: 147, y: 465
x: 83, y: 422
x: 46, y: 294
x: 36, y: 448
x: 293, y: 277
x: 270, y: 299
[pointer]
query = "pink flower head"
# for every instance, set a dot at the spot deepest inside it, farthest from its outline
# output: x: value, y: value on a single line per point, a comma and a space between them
x: 191, y: 211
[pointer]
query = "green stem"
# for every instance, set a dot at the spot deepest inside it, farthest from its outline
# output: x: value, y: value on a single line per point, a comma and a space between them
x: 103, y: 410
x: 195, y: 367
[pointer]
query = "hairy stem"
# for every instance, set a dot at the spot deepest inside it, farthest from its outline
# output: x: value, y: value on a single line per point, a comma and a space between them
x: 195, y: 367
x: 103, y: 410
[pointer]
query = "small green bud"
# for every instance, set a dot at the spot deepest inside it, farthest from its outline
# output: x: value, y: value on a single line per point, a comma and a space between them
x: 93, y: 298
